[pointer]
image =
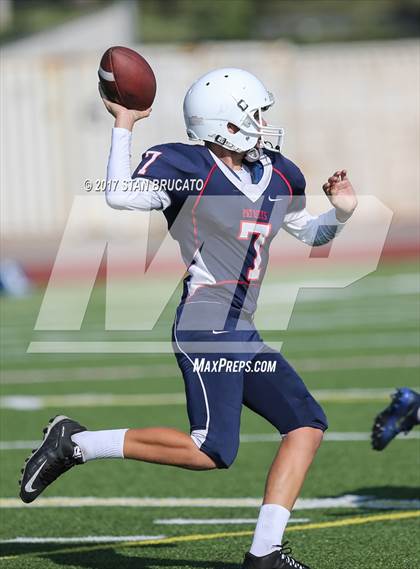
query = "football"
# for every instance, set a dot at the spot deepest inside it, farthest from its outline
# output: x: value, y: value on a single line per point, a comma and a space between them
x: 126, y: 78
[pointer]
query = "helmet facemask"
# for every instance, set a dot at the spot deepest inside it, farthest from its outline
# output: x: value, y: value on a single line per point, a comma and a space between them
x: 269, y: 137
x: 252, y: 127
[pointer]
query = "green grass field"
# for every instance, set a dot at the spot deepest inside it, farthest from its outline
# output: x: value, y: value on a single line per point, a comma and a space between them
x: 364, y: 339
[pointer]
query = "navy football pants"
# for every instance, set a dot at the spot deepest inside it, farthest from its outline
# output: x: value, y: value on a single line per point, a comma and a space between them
x: 219, y: 382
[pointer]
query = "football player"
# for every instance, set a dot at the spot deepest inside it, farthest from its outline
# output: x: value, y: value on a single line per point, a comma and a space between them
x: 401, y: 415
x: 247, y: 191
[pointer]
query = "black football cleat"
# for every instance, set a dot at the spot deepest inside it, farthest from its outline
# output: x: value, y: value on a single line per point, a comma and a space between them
x: 56, y: 454
x: 280, y: 559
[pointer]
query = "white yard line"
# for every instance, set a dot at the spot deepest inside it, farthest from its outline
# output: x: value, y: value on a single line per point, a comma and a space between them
x: 84, y: 539
x: 31, y: 403
x: 19, y: 445
x: 346, y: 501
x: 94, y: 400
x: 118, y: 373
x: 218, y: 521
x: 245, y: 438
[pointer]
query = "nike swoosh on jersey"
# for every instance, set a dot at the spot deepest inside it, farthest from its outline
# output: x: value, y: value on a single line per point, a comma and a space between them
x: 275, y: 199
x: 28, y: 486
x: 220, y: 331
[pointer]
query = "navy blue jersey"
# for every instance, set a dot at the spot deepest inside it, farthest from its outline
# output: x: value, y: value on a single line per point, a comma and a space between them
x: 224, y: 227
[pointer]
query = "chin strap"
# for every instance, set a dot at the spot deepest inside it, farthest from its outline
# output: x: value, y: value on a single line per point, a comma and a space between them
x: 254, y: 154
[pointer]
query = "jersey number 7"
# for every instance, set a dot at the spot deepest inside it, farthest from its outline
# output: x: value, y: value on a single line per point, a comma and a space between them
x: 262, y: 230
x: 153, y: 155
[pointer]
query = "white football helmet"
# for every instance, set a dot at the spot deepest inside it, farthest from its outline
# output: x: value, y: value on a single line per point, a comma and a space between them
x: 233, y: 96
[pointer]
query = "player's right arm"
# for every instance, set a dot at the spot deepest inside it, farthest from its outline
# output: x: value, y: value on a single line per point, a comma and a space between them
x: 121, y: 192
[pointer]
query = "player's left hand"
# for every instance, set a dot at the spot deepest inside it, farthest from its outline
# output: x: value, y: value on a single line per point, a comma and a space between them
x: 341, y: 194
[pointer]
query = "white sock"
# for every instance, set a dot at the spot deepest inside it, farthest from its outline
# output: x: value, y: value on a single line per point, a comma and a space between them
x: 269, y: 531
x: 100, y: 444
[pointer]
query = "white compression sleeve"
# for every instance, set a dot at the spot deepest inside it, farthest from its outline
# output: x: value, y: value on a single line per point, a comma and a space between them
x: 313, y: 230
x: 121, y: 193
